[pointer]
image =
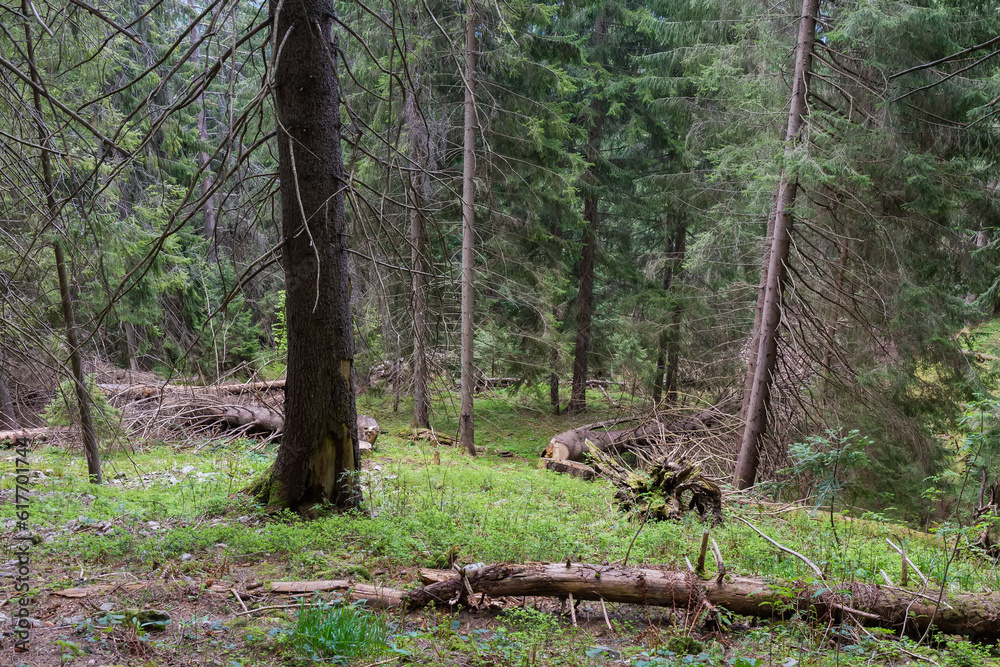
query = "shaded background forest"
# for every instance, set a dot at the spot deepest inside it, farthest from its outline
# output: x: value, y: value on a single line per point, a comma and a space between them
x: 627, y: 160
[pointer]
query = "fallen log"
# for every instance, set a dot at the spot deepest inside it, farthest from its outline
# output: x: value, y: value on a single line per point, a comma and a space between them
x: 10, y: 438
x: 429, y: 434
x: 573, y: 468
x: 244, y: 407
x: 574, y: 444
x: 867, y: 604
x: 376, y: 596
x: 980, y: 356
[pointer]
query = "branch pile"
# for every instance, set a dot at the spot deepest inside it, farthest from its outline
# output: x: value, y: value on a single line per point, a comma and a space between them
x: 236, y: 409
x: 705, y: 431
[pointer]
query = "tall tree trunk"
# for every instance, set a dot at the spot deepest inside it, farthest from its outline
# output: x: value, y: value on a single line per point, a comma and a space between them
x: 467, y: 426
x: 208, y: 206
x: 584, y: 307
x: 676, y: 314
x: 831, y: 326
x: 419, y: 164
x: 767, y: 348
x: 668, y: 353
x: 83, y: 399
x: 558, y: 311
x: 8, y: 417
x: 754, y: 337
x: 319, y: 457
x: 131, y: 346
x: 585, y: 295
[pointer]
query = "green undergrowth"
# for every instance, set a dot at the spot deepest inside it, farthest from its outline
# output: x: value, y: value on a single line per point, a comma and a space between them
x: 161, y: 503
x: 180, y: 508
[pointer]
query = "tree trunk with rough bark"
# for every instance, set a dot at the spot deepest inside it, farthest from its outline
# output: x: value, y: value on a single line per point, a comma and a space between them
x: 467, y: 425
x: 767, y: 346
x: 319, y: 455
x: 867, y: 604
x: 89, y: 434
x: 591, y: 215
x: 208, y: 205
x: 584, y: 308
x: 668, y: 353
x: 418, y: 191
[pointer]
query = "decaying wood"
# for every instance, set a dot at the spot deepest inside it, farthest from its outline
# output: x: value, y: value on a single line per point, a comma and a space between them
x: 433, y: 576
x: 575, y: 444
x: 377, y: 596
x: 368, y: 429
x: 252, y: 408
x: 980, y: 356
x: 867, y: 604
x: 429, y: 434
x: 573, y: 468
x: 663, y: 489
x: 8, y: 438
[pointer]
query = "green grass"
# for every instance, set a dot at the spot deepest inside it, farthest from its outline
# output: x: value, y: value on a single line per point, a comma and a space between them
x: 336, y: 632
x: 486, y: 508
x: 416, y: 513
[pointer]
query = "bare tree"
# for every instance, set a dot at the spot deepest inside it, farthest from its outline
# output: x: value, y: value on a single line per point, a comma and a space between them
x: 8, y: 418
x: 83, y: 399
x: 467, y: 426
x: 776, y: 266
x: 418, y: 189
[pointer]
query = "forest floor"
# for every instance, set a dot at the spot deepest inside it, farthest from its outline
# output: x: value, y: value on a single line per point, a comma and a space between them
x: 170, y: 531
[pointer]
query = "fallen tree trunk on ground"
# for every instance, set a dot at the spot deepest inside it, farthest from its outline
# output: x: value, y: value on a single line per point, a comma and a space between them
x: 573, y: 468
x: 9, y: 438
x: 573, y: 445
x: 866, y: 604
x: 249, y: 408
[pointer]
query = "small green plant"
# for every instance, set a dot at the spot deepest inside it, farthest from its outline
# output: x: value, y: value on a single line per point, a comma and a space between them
x: 68, y: 651
x: 961, y: 653
x: 825, y: 463
x: 526, y: 638
x: 338, y: 632
x: 64, y: 410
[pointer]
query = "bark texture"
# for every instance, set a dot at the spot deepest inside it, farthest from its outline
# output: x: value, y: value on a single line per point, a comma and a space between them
x: 418, y: 191
x: 208, y: 204
x: 869, y: 604
x: 319, y: 455
x: 591, y: 216
x: 776, y: 269
x: 467, y: 425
